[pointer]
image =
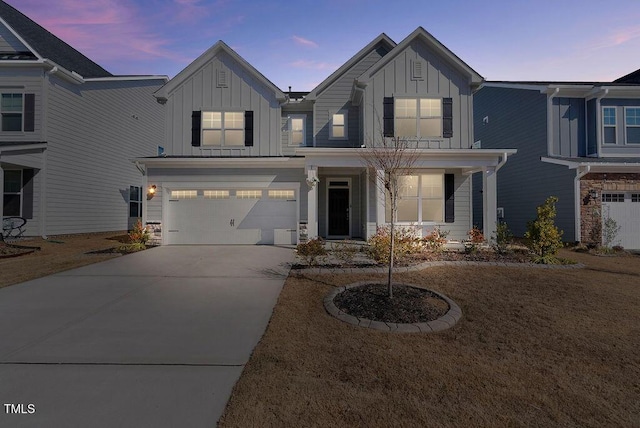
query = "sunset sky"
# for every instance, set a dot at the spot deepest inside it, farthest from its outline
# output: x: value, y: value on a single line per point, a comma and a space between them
x: 300, y: 43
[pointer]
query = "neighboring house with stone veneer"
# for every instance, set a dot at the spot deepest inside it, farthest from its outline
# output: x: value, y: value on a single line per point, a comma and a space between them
x: 68, y: 131
x: 579, y: 141
x: 247, y: 163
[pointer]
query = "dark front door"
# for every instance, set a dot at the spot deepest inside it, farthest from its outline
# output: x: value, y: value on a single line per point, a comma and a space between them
x: 338, y: 212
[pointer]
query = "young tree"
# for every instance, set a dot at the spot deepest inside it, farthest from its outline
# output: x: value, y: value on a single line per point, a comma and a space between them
x: 394, y: 158
x: 545, y: 239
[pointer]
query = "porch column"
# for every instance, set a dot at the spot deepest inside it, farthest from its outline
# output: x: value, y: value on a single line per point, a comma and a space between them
x: 312, y: 201
x: 489, y: 202
x: 380, y: 198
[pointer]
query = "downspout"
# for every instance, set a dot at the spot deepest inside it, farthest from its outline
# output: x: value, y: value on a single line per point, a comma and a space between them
x: 502, y: 161
x: 599, y: 122
x: 550, y: 121
x: 576, y: 189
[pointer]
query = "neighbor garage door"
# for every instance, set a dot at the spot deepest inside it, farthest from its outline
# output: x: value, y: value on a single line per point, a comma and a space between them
x: 232, y: 216
x: 624, y: 208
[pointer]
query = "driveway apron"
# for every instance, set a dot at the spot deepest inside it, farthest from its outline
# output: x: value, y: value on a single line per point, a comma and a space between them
x: 156, y: 338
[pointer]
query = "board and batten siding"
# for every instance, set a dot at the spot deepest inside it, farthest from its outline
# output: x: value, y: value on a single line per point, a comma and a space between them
x: 287, y: 148
x: 517, y: 119
x: 569, y: 133
x: 336, y: 98
x: 440, y: 80
x: 94, y: 130
x: 24, y: 81
x: 199, y: 92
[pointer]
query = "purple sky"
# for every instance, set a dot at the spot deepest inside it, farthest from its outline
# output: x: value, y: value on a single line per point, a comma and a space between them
x: 300, y: 43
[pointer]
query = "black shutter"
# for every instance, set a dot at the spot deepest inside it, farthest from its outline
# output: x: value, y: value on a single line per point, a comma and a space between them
x: 29, y: 112
x: 27, y: 193
x: 248, y: 129
x: 449, y: 206
x: 447, y: 117
x: 388, y: 130
x: 196, y: 120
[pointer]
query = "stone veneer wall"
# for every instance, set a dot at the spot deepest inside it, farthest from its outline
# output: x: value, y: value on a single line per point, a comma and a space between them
x: 591, y: 210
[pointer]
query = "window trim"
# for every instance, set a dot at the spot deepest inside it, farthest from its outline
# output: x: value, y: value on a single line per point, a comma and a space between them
x: 626, y: 142
x: 138, y: 202
x: 417, y: 118
x: 22, y: 112
x: 419, y: 198
x: 614, y: 126
x: 19, y: 193
x: 302, y: 117
x: 344, y: 113
x: 222, y: 129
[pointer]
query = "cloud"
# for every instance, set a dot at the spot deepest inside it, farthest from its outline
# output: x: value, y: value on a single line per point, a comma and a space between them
x: 304, y: 42
x: 616, y: 38
x: 312, y: 65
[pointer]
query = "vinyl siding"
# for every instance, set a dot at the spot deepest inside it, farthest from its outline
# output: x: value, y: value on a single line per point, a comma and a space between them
x: 26, y: 81
x: 200, y: 92
x: 569, y: 133
x: 440, y: 81
x: 517, y: 118
x: 94, y: 131
x: 287, y: 148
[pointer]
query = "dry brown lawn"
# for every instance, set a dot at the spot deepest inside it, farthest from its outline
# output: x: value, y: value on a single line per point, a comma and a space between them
x: 534, y: 348
x: 58, y: 253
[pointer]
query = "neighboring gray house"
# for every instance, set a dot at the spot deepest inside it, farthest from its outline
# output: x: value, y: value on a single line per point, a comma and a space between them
x: 246, y: 163
x: 68, y: 132
x: 577, y: 141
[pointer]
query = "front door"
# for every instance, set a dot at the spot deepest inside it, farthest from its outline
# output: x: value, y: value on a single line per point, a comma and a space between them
x: 338, y: 212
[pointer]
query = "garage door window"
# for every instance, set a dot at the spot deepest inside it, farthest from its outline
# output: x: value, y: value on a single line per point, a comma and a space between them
x: 613, y: 197
x: 216, y: 194
x: 249, y: 194
x: 281, y: 194
x: 184, y: 194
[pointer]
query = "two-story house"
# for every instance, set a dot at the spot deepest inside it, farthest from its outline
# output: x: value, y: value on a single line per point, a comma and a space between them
x: 247, y: 163
x: 68, y: 131
x: 579, y: 141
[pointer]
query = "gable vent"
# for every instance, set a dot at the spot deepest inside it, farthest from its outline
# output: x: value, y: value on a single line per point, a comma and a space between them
x: 221, y: 79
x: 416, y: 70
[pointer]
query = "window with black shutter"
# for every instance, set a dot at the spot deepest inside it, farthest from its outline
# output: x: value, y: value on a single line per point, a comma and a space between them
x: 196, y: 121
x: 388, y: 117
x: 447, y: 117
x: 449, y: 191
x: 248, y: 128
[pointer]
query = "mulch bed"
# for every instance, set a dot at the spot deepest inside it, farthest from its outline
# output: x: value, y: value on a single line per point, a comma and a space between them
x: 409, y: 304
x: 9, y: 250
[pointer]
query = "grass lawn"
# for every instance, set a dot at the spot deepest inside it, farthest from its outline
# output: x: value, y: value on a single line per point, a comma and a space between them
x: 535, y: 347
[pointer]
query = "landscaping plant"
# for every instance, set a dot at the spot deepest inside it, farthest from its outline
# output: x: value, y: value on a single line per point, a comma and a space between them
x: 138, y: 238
x: 476, y: 238
x: 406, y: 242
x: 544, y: 238
x: 435, y: 240
x: 610, y: 232
x: 312, y: 251
x: 502, y: 238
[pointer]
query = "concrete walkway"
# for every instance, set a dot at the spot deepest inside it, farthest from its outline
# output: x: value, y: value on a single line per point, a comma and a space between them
x: 152, y: 339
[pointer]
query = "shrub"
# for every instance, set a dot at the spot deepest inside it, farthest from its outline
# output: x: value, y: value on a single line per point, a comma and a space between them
x: 138, y: 238
x: 610, y: 231
x: 502, y: 238
x: 345, y: 251
x: 312, y: 251
x: 476, y: 238
x: 406, y: 243
x: 435, y: 240
x: 544, y: 238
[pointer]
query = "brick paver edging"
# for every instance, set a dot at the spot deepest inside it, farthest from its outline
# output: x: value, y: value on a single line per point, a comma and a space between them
x: 425, y: 265
x: 446, y: 321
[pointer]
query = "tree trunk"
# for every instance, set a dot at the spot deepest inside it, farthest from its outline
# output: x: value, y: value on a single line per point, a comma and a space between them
x: 391, y: 248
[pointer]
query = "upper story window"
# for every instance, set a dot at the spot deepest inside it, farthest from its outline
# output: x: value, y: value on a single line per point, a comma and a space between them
x: 297, y: 130
x: 632, y: 125
x: 418, y: 117
x: 609, y: 125
x: 222, y: 128
x: 338, y: 130
x: 11, y: 110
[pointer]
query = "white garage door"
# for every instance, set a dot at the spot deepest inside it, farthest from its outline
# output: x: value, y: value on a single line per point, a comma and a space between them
x: 232, y: 216
x: 624, y: 208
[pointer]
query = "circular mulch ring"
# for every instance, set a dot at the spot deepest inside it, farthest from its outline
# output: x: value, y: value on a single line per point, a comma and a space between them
x: 412, y: 309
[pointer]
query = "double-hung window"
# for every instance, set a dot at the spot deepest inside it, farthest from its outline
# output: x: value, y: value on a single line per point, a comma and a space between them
x: 223, y: 128
x: 609, y: 125
x: 632, y: 125
x: 297, y: 130
x: 135, y: 201
x: 418, y: 117
x: 420, y: 198
x: 12, y: 193
x: 338, y: 130
x: 11, y: 110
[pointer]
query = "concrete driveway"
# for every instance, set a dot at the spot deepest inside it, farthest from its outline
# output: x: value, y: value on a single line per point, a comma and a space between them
x: 152, y: 339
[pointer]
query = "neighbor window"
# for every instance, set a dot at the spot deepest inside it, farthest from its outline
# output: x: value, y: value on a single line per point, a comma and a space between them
x: 222, y: 128
x: 418, y: 117
x: 135, y: 201
x: 632, y: 125
x: 609, y: 125
x: 339, y: 126
x: 12, y: 193
x: 297, y: 130
x: 11, y: 111
x: 420, y: 199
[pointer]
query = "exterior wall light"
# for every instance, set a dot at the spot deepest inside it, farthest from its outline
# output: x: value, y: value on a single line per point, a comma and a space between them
x: 151, y: 192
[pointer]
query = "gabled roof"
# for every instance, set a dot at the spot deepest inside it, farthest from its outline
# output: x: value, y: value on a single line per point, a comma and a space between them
x: 203, y: 59
x: 633, y: 77
x: 421, y: 34
x: 381, y: 39
x: 45, y: 45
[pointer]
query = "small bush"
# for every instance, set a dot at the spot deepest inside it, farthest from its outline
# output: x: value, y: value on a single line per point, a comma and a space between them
x: 476, y: 238
x: 544, y: 238
x: 610, y: 232
x: 138, y: 238
x: 435, y: 240
x: 406, y: 243
x: 502, y: 238
x: 312, y: 251
x: 345, y: 251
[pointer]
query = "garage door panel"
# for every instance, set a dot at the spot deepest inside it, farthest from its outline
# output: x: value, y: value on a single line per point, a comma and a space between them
x: 627, y: 216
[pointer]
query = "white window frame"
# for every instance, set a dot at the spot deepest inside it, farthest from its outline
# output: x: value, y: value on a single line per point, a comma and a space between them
x: 614, y: 126
x: 626, y: 140
x: 223, y: 129
x: 302, y: 117
x: 419, y: 115
x: 138, y: 202
x: 345, y: 125
x: 420, y: 198
x: 2, y: 112
x: 19, y: 193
